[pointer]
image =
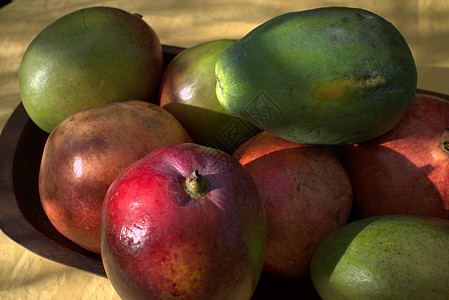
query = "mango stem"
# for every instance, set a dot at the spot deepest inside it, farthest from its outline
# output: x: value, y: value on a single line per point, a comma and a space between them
x: 196, y: 185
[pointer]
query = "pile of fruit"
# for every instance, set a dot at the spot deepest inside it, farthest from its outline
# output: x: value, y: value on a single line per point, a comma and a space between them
x: 302, y: 149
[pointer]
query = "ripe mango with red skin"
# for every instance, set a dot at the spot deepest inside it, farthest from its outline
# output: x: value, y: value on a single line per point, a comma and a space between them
x: 84, y: 154
x: 332, y: 75
x: 187, y: 91
x: 163, y: 239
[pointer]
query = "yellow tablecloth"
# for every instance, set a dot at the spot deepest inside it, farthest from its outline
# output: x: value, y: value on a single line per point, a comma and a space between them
x: 25, y: 275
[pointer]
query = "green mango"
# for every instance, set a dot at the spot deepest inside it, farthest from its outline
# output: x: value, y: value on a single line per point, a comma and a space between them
x: 384, y: 257
x: 331, y: 75
x: 90, y: 57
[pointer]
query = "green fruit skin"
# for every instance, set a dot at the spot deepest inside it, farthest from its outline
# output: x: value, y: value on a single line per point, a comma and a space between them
x: 187, y: 91
x: 332, y: 75
x: 384, y: 257
x: 90, y: 57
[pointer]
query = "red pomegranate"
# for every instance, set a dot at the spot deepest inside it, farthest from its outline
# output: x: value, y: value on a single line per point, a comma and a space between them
x: 306, y: 194
x: 405, y: 171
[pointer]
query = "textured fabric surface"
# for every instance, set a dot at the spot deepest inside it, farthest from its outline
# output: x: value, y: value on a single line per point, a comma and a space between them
x: 25, y: 275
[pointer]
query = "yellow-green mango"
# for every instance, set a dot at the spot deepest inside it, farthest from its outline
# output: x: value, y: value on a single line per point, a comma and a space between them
x: 331, y: 75
x: 384, y: 257
x: 90, y: 57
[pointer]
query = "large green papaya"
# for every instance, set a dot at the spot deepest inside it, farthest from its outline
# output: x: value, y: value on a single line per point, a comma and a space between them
x: 331, y: 75
x: 384, y: 257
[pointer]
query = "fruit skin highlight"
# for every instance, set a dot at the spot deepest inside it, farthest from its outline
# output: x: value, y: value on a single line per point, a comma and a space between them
x: 160, y: 239
x: 92, y: 56
x: 332, y: 75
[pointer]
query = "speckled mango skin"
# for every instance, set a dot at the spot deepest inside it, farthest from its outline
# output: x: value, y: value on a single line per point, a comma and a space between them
x: 384, y: 257
x: 90, y: 57
x: 332, y: 75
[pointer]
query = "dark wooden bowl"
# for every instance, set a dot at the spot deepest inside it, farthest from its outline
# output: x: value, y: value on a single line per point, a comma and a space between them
x: 23, y: 219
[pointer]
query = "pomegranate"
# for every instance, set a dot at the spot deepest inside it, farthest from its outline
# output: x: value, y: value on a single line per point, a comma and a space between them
x: 405, y: 171
x: 306, y: 193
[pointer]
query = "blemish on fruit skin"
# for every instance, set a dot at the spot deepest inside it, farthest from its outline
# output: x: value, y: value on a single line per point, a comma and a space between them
x: 337, y: 217
x: 363, y: 17
x: 335, y: 89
